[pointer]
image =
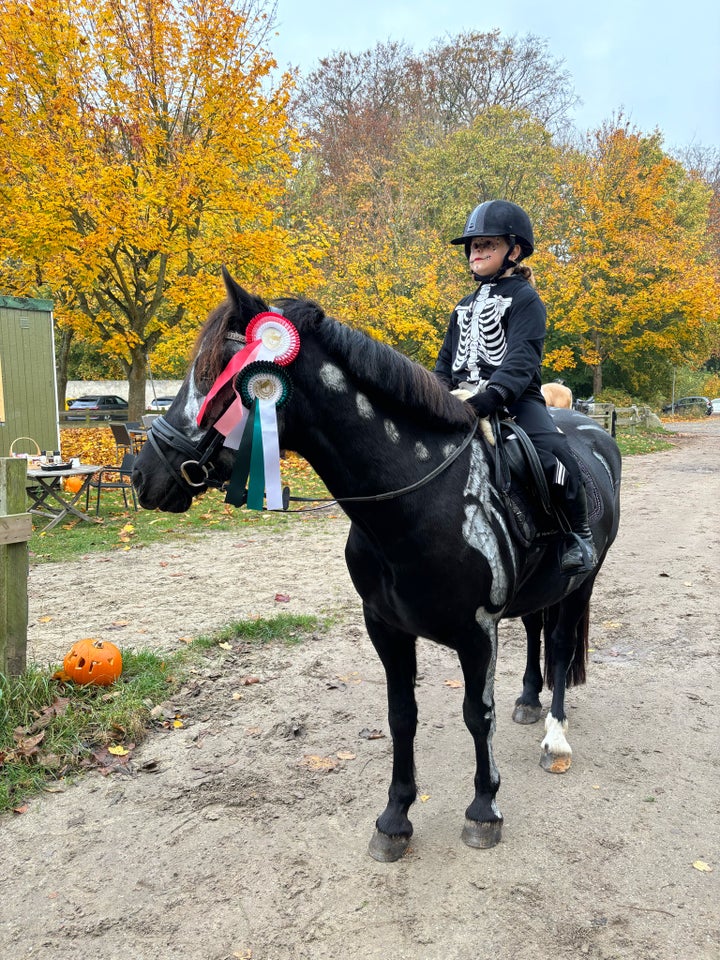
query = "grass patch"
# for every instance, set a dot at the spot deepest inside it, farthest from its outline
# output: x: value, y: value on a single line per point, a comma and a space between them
x: 51, y: 730
x: 643, y: 440
x: 290, y: 628
x: 121, y: 529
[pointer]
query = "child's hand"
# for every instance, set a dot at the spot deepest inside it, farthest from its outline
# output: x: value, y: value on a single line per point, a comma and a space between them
x: 486, y: 403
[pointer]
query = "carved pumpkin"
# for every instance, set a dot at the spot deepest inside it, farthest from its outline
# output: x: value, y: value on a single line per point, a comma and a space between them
x: 72, y: 484
x: 93, y: 661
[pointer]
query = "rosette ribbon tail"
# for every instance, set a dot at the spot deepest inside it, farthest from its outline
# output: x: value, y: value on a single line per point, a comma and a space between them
x: 257, y: 463
x: 270, y: 455
x: 237, y: 486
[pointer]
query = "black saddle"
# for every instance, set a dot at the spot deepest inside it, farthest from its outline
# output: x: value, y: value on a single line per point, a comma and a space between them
x: 520, y: 478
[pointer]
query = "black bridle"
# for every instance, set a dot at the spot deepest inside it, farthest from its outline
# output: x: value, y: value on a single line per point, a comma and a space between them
x: 197, y: 471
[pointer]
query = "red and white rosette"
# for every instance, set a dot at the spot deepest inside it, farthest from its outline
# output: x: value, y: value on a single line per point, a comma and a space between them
x: 280, y: 339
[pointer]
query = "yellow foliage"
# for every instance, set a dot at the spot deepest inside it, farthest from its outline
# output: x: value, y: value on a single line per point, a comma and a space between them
x: 142, y: 145
x: 621, y: 261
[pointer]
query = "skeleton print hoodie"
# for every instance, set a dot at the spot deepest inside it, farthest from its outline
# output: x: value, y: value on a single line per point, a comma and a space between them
x: 496, y: 335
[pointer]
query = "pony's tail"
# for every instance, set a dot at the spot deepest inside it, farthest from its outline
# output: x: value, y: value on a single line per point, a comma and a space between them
x: 577, y: 671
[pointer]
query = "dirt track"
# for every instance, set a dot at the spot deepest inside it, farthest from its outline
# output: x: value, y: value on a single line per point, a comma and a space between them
x: 249, y: 837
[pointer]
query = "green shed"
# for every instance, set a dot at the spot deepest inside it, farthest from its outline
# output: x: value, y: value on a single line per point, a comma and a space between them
x: 28, y: 385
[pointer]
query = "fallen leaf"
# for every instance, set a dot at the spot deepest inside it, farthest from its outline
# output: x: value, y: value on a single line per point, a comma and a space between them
x: 312, y: 762
x: 455, y: 684
x: 248, y: 681
x: 27, y: 746
x: 346, y: 755
x: 424, y: 797
x: 22, y: 809
x: 225, y: 645
x: 282, y: 597
x: 48, y: 714
x: 702, y: 866
x: 117, y: 750
x: 367, y: 734
x: 44, y: 619
x: 177, y: 723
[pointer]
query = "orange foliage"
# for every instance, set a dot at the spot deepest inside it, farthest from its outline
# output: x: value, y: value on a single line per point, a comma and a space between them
x: 93, y: 445
x: 142, y: 146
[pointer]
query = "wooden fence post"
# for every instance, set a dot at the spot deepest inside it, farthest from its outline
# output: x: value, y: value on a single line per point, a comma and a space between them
x: 15, y: 531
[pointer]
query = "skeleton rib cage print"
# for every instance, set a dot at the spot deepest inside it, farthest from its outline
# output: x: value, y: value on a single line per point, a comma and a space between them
x: 482, y: 337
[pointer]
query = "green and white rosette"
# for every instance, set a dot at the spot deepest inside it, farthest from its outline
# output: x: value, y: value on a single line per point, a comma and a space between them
x: 264, y: 387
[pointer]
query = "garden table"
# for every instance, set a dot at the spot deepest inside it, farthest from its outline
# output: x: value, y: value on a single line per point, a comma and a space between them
x: 50, y: 499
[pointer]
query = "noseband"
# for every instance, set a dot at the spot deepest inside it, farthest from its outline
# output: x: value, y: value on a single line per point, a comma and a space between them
x: 195, y: 472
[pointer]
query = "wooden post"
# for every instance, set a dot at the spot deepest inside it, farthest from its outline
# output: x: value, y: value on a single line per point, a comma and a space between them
x: 15, y: 531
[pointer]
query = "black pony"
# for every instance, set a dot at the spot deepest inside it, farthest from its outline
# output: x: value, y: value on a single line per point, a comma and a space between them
x: 430, y: 551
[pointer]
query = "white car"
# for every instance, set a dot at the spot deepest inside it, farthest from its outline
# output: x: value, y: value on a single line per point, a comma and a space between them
x: 715, y: 405
x: 160, y: 403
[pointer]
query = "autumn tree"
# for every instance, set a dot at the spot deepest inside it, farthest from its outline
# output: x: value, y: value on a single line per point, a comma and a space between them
x: 461, y: 77
x: 143, y: 144
x: 624, y: 265
x: 395, y: 164
x: 360, y: 111
x: 392, y: 270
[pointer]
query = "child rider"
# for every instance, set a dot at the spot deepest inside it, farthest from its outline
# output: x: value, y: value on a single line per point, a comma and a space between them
x: 493, y: 346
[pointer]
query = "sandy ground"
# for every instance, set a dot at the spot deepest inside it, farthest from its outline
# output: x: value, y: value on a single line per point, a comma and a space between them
x: 243, y: 833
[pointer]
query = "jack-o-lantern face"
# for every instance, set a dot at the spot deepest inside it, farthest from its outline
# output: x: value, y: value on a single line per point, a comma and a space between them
x: 93, y: 661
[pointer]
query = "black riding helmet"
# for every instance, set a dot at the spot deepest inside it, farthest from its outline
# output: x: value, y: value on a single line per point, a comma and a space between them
x: 499, y: 218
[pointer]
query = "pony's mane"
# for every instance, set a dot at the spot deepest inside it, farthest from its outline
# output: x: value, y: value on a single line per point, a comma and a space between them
x: 379, y: 370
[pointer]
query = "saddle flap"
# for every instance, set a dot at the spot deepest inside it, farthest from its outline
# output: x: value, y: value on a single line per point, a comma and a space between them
x: 516, y: 456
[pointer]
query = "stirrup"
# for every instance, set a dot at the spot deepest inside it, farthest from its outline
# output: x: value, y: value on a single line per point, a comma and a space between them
x: 580, y: 557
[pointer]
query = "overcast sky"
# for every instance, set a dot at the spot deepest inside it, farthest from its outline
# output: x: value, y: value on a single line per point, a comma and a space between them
x: 657, y: 62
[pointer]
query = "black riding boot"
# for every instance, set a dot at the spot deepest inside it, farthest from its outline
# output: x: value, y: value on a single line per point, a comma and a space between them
x: 579, y: 555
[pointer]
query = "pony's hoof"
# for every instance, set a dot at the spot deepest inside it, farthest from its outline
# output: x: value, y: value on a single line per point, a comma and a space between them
x: 555, y: 763
x: 482, y: 834
x: 387, y: 849
x: 526, y: 713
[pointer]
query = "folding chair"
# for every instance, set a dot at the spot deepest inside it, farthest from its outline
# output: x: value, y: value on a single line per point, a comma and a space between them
x: 113, y: 478
x: 123, y: 441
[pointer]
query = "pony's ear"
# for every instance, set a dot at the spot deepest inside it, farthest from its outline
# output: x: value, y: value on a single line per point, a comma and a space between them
x: 244, y: 305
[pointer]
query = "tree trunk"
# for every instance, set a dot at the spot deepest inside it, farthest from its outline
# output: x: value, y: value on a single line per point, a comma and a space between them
x: 65, y: 339
x: 136, y: 383
x: 597, y: 380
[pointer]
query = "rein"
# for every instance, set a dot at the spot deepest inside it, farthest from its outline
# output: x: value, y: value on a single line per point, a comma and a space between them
x: 392, y: 494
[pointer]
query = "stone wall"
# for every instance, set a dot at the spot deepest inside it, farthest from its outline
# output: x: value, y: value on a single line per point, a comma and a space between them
x: 119, y: 388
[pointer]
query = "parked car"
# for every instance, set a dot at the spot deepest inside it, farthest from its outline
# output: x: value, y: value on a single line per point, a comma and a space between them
x: 98, y: 407
x: 160, y: 403
x: 715, y: 405
x: 689, y: 405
